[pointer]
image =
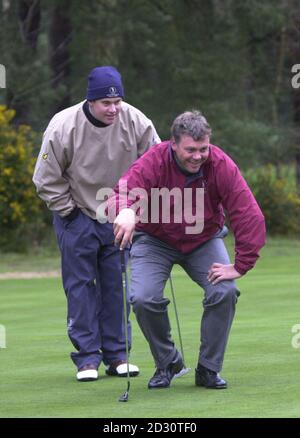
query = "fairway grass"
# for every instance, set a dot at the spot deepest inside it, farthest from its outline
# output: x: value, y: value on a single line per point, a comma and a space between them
x: 261, y: 366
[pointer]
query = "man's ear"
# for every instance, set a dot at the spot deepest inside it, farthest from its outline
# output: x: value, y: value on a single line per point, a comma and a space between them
x: 173, y: 143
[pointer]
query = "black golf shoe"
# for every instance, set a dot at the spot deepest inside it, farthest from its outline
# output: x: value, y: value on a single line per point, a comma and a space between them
x: 208, y: 378
x: 162, y: 377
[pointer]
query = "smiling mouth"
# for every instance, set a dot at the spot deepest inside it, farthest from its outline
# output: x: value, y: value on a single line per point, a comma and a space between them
x: 110, y: 118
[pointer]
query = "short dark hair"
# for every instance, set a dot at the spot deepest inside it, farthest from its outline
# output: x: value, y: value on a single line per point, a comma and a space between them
x: 191, y: 123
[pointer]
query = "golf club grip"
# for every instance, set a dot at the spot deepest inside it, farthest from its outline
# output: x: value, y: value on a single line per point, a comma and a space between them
x: 122, y: 255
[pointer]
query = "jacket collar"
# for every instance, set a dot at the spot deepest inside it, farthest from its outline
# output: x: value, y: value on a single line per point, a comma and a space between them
x: 91, y: 118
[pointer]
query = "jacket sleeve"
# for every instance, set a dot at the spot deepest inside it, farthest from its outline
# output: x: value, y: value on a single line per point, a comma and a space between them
x: 48, y: 177
x: 246, y: 218
x: 134, y: 188
x: 146, y: 134
x: 148, y: 139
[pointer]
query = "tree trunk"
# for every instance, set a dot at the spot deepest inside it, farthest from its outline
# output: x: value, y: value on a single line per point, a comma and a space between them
x: 29, y: 18
x: 59, y: 39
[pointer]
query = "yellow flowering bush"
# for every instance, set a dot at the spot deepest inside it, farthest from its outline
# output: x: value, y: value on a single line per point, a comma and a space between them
x: 20, y: 208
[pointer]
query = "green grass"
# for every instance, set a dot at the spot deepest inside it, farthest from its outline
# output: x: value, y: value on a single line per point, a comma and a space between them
x: 39, y: 259
x: 262, y: 368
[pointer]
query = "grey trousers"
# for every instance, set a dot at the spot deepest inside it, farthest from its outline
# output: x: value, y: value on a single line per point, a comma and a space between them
x: 151, y: 263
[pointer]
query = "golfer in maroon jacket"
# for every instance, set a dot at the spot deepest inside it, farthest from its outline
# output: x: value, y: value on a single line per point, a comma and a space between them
x: 195, y: 182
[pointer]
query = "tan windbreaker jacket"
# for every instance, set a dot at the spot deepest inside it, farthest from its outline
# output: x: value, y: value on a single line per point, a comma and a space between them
x: 77, y: 158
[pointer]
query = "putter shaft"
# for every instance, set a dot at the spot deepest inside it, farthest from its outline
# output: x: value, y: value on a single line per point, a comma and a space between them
x: 124, y: 397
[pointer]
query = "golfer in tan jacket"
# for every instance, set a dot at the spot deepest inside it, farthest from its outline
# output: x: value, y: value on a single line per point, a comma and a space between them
x: 87, y: 147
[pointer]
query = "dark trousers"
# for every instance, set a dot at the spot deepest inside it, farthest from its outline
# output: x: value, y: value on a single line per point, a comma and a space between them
x: 92, y: 280
x: 151, y: 263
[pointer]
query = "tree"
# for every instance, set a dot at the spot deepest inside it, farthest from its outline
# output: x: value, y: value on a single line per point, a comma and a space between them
x: 294, y: 58
x: 60, y: 35
x: 230, y: 59
x: 24, y: 53
x: 29, y: 17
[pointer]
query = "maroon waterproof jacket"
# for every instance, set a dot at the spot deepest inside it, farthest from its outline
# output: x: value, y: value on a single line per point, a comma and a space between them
x: 224, y: 188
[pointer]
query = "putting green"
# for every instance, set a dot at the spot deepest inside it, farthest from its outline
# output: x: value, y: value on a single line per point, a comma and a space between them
x: 261, y: 365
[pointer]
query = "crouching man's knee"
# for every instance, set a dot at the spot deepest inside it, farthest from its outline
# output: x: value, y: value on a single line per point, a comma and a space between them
x: 142, y: 303
x: 222, y: 293
x: 231, y: 294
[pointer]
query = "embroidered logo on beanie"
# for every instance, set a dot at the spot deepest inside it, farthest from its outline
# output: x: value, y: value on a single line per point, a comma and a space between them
x: 113, y: 92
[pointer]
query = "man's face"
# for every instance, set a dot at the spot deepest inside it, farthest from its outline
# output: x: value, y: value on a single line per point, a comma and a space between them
x: 191, y: 154
x: 106, y: 110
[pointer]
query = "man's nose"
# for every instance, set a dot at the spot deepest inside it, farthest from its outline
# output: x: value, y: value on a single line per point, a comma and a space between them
x: 197, y: 156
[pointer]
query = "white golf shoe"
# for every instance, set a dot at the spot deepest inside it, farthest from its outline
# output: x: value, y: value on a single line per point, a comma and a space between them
x: 88, y: 373
x: 120, y: 369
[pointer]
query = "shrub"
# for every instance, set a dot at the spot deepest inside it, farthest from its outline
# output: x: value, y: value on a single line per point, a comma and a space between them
x: 279, y: 202
x: 21, y: 211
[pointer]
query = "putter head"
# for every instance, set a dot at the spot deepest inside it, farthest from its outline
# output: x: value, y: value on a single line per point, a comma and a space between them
x: 182, y: 372
x: 124, y: 397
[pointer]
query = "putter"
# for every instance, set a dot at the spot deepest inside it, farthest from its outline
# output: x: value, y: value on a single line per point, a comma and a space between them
x: 184, y: 370
x: 124, y: 397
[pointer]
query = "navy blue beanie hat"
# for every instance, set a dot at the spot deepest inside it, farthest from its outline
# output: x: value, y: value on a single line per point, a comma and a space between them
x: 104, y: 82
